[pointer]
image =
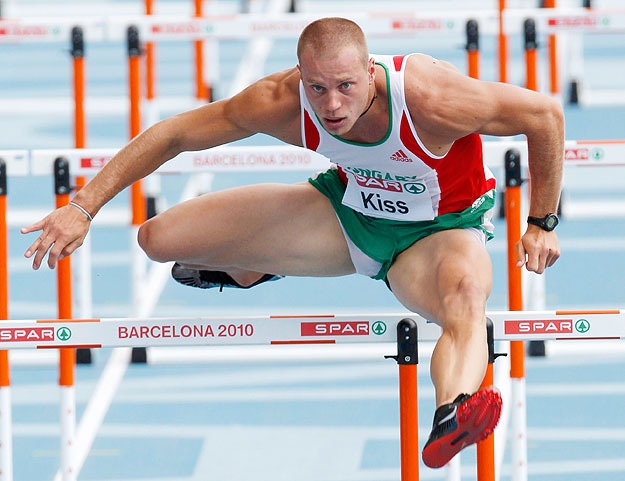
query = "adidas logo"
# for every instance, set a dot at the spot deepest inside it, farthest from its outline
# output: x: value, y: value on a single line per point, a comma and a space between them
x: 399, y: 156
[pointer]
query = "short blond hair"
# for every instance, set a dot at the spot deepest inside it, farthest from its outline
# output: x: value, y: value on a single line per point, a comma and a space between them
x: 326, y: 35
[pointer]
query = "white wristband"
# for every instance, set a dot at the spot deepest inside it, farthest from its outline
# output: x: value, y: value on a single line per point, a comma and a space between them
x: 82, y: 209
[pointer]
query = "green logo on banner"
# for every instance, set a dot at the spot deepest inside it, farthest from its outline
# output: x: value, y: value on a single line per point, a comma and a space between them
x: 378, y: 328
x: 582, y: 326
x: 63, y: 333
x: 597, y: 154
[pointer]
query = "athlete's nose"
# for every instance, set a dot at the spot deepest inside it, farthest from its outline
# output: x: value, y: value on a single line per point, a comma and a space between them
x: 333, y: 102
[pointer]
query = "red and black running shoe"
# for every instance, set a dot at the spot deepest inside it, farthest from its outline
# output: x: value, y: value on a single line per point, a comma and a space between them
x: 468, y: 420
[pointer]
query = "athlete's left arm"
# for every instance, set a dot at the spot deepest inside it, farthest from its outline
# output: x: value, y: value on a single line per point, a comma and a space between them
x: 461, y: 105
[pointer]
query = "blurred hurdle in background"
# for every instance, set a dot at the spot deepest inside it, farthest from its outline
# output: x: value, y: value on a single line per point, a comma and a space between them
x: 202, y: 28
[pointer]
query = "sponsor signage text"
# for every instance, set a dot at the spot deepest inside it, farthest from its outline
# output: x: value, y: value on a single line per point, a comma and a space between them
x: 27, y: 334
x: 349, y: 328
x: 535, y: 326
x: 156, y: 331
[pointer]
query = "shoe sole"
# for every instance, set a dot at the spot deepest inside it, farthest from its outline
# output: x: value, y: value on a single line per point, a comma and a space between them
x: 193, y: 278
x: 477, y: 418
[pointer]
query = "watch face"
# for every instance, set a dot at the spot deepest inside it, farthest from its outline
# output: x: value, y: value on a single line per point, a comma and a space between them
x: 551, y: 222
x: 548, y: 223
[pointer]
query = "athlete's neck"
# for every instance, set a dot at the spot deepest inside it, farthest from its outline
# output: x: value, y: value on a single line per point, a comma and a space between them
x: 370, y: 103
x: 372, y: 124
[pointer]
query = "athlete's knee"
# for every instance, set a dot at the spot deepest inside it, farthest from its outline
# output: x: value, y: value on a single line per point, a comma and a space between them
x: 152, y: 241
x: 463, y: 304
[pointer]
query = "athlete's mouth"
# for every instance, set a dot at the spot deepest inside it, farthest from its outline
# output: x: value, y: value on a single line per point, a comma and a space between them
x: 334, y: 122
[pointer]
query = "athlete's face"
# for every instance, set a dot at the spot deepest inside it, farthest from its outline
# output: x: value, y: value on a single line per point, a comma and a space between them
x: 337, y: 87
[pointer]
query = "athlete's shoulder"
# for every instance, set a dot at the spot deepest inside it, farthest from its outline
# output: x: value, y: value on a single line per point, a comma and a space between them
x: 421, y: 83
x: 270, y: 105
x: 441, y: 100
x: 426, y: 64
x: 426, y: 75
x: 282, y: 85
x: 272, y: 92
x: 429, y: 84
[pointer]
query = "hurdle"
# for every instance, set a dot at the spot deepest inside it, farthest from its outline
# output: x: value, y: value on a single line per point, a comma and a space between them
x: 199, y: 27
x: 321, y: 330
x: 554, y: 22
x: 12, y: 163
x: 6, y: 441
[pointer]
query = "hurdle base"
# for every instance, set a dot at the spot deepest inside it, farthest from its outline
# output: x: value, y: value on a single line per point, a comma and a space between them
x: 536, y: 349
x: 83, y: 356
x: 574, y: 92
x: 139, y: 355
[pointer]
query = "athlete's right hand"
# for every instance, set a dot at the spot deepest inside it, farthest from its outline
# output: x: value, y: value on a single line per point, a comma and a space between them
x: 63, y: 232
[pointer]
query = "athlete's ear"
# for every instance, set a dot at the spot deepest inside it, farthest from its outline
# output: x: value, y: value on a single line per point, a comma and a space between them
x: 371, y: 70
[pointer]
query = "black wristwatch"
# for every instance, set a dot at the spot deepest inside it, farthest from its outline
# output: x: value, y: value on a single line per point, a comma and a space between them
x: 548, y: 223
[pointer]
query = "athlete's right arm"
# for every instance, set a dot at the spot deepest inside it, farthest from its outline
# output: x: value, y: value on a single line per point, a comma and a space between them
x: 270, y: 105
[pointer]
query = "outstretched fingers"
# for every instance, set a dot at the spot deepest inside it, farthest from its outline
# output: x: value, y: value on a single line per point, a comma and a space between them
x: 35, y: 245
x: 40, y: 248
x: 55, y: 252
x: 63, y: 232
x: 33, y: 227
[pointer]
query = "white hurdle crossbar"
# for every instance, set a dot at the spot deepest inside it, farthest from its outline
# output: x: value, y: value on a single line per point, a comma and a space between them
x: 295, y: 329
x: 289, y: 25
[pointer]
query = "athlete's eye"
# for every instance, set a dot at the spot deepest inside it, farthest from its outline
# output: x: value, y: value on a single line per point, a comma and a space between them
x: 346, y: 85
x: 317, y: 88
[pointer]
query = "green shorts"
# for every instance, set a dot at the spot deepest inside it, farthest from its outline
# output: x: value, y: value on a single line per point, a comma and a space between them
x: 382, y: 240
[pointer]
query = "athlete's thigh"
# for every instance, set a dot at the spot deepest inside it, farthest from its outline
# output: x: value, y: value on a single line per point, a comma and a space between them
x: 281, y: 228
x: 436, y: 266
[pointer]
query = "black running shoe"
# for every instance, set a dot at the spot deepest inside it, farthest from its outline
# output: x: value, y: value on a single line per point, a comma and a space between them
x: 468, y: 420
x: 209, y: 279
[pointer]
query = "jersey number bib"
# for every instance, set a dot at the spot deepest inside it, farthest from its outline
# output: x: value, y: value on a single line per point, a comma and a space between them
x: 388, y: 199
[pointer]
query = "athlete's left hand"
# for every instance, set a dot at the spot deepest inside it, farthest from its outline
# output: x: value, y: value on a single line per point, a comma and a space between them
x: 537, y: 249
